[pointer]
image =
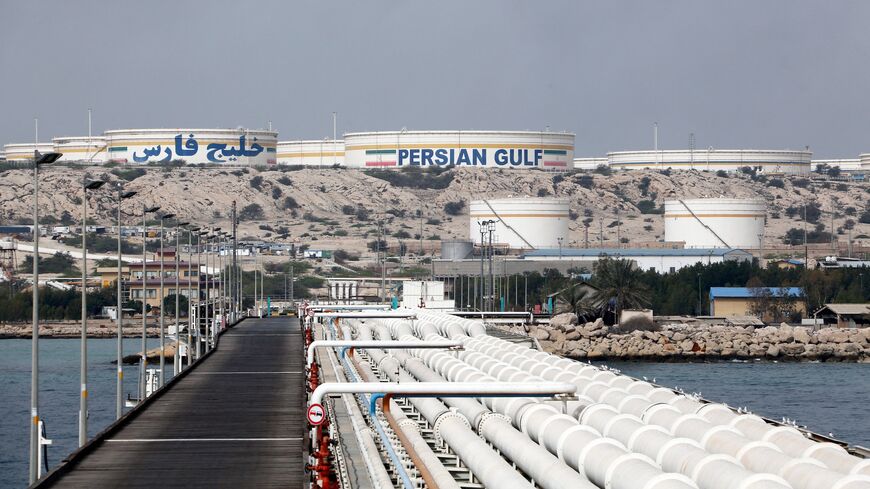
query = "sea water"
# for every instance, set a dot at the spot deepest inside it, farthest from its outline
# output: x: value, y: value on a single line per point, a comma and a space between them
x: 58, y: 396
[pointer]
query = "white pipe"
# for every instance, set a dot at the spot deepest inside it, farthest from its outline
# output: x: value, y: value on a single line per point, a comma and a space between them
x: 440, y: 389
x: 365, y: 315
x: 801, y: 473
x: 383, y: 345
x: 454, y: 430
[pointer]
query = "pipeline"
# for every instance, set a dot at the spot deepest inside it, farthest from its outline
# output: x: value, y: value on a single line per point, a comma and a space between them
x: 453, y: 429
x: 642, y: 399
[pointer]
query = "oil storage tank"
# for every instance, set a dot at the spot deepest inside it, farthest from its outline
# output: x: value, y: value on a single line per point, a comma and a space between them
x: 716, y: 223
x: 456, y: 249
x: 521, y: 223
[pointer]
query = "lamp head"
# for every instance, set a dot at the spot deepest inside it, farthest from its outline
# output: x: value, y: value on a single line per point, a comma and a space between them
x: 47, y: 158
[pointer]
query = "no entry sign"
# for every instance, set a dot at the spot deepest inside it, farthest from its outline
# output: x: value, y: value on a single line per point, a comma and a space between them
x: 315, y: 414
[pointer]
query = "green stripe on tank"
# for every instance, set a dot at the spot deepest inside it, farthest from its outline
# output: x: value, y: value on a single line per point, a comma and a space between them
x: 118, y: 148
x: 554, y: 152
x: 380, y: 151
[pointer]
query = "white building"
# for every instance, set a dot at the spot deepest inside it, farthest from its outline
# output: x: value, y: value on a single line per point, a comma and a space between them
x: 658, y: 260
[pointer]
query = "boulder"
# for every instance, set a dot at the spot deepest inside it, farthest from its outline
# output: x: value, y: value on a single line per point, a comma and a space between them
x: 562, y: 321
x: 539, y: 334
x: 573, y: 335
x: 801, y: 334
x: 793, y: 349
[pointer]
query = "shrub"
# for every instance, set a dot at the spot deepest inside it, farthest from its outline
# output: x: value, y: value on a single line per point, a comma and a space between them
x: 776, y: 183
x: 801, y: 182
x: 542, y: 192
x: 454, y: 208
x: 130, y: 174
x: 416, y: 177
x: 362, y: 214
x: 433, y: 221
x: 557, y: 179
x: 285, y: 180
x: 277, y: 193
x: 722, y: 174
x: 603, y: 170
x: 289, y: 203
x: 348, y: 210
x: 636, y: 323
x: 865, y: 217
x: 256, y: 183
x: 644, y: 185
x: 648, y: 207
x: 401, y: 234
x: 842, y: 187
x: 586, y: 181
x: 251, y: 212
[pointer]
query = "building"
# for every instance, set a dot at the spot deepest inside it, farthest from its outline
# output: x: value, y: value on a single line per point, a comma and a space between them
x: 842, y: 262
x: 844, y: 315
x: 755, y: 301
x: 131, y: 280
x: 730, y: 160
x: 662, y: 260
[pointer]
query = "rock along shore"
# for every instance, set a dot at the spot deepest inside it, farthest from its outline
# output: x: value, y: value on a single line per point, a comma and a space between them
x: 98, y: 328
x: 678, y: 342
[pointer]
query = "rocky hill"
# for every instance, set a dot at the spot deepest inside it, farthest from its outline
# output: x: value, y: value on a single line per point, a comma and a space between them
x: 338, y: 209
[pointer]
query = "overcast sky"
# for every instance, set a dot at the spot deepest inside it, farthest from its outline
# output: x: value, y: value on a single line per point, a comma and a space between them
x: 739, y: 74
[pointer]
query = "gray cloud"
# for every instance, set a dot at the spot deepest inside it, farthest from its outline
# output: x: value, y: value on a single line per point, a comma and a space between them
x: 742, y: 73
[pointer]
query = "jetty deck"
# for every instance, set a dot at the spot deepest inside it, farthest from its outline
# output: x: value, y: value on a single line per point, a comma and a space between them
x: 236, y: 419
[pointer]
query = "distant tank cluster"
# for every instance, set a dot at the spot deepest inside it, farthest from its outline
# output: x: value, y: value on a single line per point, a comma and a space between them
x: 510, y: 150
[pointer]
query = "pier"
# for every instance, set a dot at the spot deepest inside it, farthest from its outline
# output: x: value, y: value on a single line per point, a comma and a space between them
x: 235, y: 419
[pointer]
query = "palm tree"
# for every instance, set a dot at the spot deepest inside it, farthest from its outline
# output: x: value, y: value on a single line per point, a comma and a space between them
x: 582, y: 301
x: 619, y: 285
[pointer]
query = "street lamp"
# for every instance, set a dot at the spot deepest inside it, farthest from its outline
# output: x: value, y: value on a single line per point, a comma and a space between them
x: 177, y: 357
x: 162, y: 297
x: 559, y: 239
x: 83, y: 375
x: 190, y: 232
x: 199, y: 285
x: 143, y: 361
x: 119, y: 384
x: 38, y: 159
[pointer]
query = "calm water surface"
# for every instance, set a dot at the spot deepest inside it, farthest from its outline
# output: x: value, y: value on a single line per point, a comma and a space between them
x: 58, y: 396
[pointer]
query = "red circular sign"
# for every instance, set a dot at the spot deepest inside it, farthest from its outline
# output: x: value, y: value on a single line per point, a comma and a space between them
x: 316, y: 414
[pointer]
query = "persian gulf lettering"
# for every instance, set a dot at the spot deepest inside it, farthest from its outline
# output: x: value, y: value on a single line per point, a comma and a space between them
x: 470, y: 157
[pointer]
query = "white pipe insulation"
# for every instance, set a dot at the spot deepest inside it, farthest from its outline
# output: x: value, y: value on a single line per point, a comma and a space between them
x: 642, y: 399
x: 486, y: 465
x: 605, y: 464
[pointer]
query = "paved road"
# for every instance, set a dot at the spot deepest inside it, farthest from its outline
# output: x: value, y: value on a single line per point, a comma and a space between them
x: 236, y: 420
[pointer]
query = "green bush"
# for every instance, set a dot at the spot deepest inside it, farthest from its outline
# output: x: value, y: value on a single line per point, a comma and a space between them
x: 129, y: 174
x: 454, y: 208
x: 251, y: 212
x: 416, y: 177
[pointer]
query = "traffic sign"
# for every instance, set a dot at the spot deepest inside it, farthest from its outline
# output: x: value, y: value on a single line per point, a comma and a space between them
x: 315, y: 414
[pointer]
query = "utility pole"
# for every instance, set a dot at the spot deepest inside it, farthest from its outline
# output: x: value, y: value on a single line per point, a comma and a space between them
x: 618, y: 230
x: 291, y: 283
x: 234, y: 269
x: 806, y: 245
x: 600, y: 233
x: 482, y: 254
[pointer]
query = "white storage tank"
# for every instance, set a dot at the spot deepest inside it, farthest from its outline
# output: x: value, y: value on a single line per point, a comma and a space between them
x: 24, y: 152
x: 522, y: 223
x: 716, y: 223
x: 865, y: 161
x: 318, y: 152
x: 710, y: 159
x: 232, y: 147
x: 484, y: 150
x: 81, y: 148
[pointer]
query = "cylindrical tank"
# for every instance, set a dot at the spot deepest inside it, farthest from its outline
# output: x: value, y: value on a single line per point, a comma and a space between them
x: 716, y: 223
x: 865, y: 161
x: 81, y: 148
x: 456, y: 249
x: 510, y: 150
x: 710, y: 159
x: 322, y: 152
x: 521, y: 223
x: 236, y: 147
x: 24, y: 152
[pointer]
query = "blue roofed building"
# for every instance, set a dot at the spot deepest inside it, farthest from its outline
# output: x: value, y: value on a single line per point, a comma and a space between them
x: 763, y: 302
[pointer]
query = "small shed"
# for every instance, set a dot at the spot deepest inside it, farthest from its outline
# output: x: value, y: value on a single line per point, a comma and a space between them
x: 844, y: 315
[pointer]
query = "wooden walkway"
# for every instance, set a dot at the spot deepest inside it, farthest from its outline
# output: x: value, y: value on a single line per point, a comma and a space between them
x: 235, y: 420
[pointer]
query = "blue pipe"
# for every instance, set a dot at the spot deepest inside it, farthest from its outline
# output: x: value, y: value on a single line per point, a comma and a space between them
x: 403, y: 474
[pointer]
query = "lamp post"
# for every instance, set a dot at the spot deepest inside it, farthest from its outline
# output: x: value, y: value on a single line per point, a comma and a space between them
x: 482, y: 225
x: 83, y: 365
x: 490, y: 228
x: 177, y: 356
x: 143, y: 361
x: 38, y: 159
x: 163, y: 219
x: 190, y: 232
x: 213, y: 237
x: 199, y: 285
x: 119, y: 383
x: 559, y: 239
